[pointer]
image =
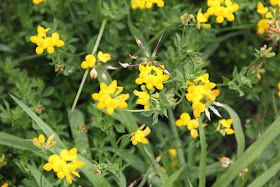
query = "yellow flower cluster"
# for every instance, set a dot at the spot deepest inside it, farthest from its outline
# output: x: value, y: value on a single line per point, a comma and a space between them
x: 43, y: 42
x: 90, y: 60
x: 264, y: 23
x: 152, y: 76
x: 145, y: 95
x: 215, y: 7
x: 225, y: 127
x: 200, y: 93
x: 64, y: 164
x: 40, y: 142
x: 36, y: 2
x: 192, y: 124
x: 109, y: 97
x: 142, y: 4
x: 140, y: 134
x: 5, y: 185
x: 278, y: 89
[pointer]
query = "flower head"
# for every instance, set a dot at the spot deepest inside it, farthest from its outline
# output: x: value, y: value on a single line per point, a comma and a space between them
x: 43, y: 42
x: 110, y: 97
x: 64, y: 164
x: 142, y: 4
x: 140, y: 135
x: 41, y: 143
x: 225, y: 161
x: 225, y: 127
x: 103, y: 57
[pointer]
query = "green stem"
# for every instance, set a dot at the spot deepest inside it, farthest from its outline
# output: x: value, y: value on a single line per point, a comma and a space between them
x: 86, y: 72
x: 80, y: 90
x: 203, y: 156
x: 191, y: 149
x: 41, y: 177
x: 274, y: 105
x: 129, y: 110
x: 174, y: 130
x: 69, y: 54
x: 238, y: 27
x: 115, y: 154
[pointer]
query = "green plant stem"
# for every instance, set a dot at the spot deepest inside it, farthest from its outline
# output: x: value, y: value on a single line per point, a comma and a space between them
x: 274, y: 105
x: 115, y: 154
x: 173, y: 127
x: 191, y: 148
x: 41, y: 177
x: 86, y: 72
x: 238, y: 27
x: 203, y: 155
x: 129, y: 110
x: 69, y: 54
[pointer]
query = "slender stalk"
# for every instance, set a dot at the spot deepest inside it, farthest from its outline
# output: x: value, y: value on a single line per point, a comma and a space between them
x: 238, y: 27
x: 129, y: 110
x: 86, y: 72
x: 203, y: 155
x: 191, y: 148
x: 274, y: 105
x: 171, y: 119
x: 41, y: 177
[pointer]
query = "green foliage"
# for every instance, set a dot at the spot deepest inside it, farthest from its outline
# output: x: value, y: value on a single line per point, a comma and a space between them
x: 38, y: 92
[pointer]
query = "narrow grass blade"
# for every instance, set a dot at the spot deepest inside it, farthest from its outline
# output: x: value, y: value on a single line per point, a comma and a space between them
x: 37, y: 176
x: 76, y: 120
x: 42, y: 125
x: 170, y: 180
x: 239, y: 135
x: 250, y: 154
x: 263, y: 178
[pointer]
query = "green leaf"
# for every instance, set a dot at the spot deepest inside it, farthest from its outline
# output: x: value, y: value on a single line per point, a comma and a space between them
x: 263, y: 178
x: 239, y: 135
x: 43, y: 126
x: 16, y: 142
x: 250, y: 154
x: 37, y: 176
x: 76, y: 120
x: 170, y: 180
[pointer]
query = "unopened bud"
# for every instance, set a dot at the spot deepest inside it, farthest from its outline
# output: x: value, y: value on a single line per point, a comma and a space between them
x: 93, y: 73
x: 36, y: 142
x: 50, y: 139
x: 104, y: 76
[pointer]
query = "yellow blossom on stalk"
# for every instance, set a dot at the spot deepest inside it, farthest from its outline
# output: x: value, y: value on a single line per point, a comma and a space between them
x: 103, y: 57
x: 263, y: 24
x: 41, y: 143
x: 89, y: 62
x: 109, y: 97
x: 261, y: 9
x: 2, y: 161
x: 225, y: 127
x: 172, y: 152
x: 142, y: 4
x: 5, y: 185
x: 152, y: 76
x: 201, y: 94
x: 140, y: 135
x: 64, y: 164
x: 43, y: 42
x: 36, y: 2
x: 192, y: 124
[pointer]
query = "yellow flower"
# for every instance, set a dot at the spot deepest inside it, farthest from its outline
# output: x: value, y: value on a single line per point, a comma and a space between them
x: 152, y: 76
x: 261, y: 9
x: 142, y: 4
x: 103, y: 57
x: 2, y: 161
x: 36, y: 2
x: 172, y: 152
x: 65, y: 164
x: 109, y: 97
x: 40, y: 142
x: 139, y: 135
x: 89, y: 62
x: 43, y: 42
x: 191, y: 124
x: 263, y: 25
x: 5, y: 185
x: 226, y: 127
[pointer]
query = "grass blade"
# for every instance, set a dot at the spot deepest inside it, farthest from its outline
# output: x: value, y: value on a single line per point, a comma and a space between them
x: 42, y: 125
x: 250, y: 154
x: 239, y: 135
x: 37, y: 175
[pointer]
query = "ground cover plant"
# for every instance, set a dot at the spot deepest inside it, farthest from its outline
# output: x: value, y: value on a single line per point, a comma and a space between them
x: 139, y: 93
